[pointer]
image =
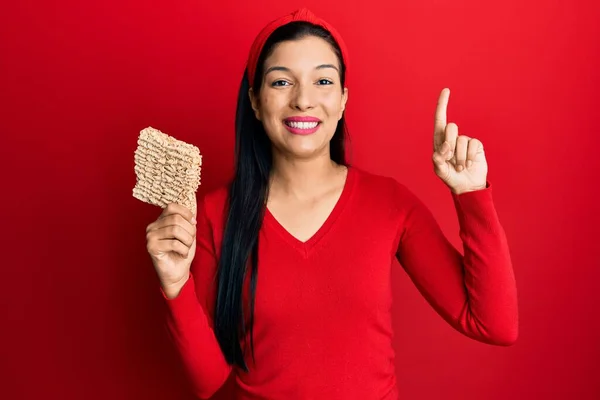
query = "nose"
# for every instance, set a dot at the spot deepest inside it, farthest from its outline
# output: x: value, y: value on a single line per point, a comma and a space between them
x: 302, y: 98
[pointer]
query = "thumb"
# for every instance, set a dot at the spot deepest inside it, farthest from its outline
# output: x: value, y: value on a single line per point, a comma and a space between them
x: 440, y: 160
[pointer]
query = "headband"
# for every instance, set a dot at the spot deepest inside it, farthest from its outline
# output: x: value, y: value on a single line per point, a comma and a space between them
x: 302, y: 14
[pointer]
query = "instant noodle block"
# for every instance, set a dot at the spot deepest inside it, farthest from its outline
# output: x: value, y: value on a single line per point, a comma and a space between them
x: 167, y: 170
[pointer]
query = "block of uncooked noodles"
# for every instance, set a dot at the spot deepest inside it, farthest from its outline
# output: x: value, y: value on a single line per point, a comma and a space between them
x: 167, y: 170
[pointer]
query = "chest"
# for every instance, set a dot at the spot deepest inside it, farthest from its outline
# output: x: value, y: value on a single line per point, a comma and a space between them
x: 303, y: 219
x: 341, y: 271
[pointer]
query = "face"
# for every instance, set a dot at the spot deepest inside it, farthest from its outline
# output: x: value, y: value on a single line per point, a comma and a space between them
x: 301, y: 98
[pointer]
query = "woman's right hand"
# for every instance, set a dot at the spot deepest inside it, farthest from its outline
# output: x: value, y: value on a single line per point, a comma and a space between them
x: 171, y: 243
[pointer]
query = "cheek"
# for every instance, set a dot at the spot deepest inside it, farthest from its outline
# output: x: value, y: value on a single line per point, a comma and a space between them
x: 271, y: 106
x: 333, y: 104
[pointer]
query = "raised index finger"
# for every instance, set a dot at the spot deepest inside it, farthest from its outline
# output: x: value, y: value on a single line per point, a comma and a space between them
x: 440, y: 119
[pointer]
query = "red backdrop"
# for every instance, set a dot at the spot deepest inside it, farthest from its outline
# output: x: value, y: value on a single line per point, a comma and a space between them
x: 81, y: 311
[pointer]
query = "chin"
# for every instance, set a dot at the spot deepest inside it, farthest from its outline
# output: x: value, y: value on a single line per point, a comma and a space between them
x: 306, y: 144
x: 301, y: 146
x: 306, y: 152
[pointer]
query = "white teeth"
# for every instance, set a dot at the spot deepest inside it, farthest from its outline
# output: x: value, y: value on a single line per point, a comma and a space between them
x: 302, y: 125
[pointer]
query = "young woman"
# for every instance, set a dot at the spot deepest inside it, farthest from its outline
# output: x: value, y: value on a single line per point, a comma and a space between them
x: 285, y: 275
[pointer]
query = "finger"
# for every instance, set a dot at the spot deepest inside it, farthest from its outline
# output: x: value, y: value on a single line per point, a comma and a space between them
x: 474, y: 146
x: 178, y: 233
x: 173, y: 232
x: 165, y: 228
x: 176, y: 246
x: 462, y: 144
x: 174, y: 208
x: 442, y: 167
x: 451, y: 136
x: 440, y: 119
x: 173, y: 219
x: 176, y: 220
x: 439, y: 160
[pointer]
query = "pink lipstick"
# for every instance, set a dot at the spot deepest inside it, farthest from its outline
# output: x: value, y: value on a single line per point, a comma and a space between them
x: 302, y: 125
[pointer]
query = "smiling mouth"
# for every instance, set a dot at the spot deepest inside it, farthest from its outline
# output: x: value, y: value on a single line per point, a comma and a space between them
x: 301, y: 125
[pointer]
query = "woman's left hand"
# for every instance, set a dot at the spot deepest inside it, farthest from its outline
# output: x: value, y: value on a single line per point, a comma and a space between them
x: 458, y: 160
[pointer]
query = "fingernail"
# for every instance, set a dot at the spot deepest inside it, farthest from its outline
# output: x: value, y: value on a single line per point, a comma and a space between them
x: 193, y: 220
x: 469, y: 163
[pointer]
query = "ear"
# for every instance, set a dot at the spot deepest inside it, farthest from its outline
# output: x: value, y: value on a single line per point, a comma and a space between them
x: 254, y: 101
x: 343, y: 102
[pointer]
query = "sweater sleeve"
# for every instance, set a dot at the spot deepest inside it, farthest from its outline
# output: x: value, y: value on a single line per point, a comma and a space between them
x: 475, y: 293
x: 190, y: 317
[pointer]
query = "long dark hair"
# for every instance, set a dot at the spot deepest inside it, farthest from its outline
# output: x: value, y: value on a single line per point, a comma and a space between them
x: 247, y: 199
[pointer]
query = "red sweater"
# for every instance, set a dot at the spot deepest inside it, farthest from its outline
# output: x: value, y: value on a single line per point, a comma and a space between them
x: 322, y: 314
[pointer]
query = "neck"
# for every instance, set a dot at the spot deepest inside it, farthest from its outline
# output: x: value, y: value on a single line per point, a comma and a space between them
x: 302, y: 178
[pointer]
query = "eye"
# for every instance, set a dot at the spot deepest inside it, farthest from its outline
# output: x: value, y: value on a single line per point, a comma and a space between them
x: 279, y: 82
x: 325, y: 82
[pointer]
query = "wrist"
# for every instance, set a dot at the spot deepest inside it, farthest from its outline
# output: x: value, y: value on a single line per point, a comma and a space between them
x: 172, y: 289
x: 474, y: 189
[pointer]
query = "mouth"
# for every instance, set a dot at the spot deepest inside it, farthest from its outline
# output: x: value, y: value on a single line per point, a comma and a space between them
x: 302, y: 125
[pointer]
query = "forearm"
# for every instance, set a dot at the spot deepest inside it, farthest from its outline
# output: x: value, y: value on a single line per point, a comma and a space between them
x: 475, y: 293
x: 194, y: 338
x: 489, y: 280
x: 172, y: 290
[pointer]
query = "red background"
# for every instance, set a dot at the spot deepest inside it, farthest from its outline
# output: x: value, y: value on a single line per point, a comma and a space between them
x: 81, y: 311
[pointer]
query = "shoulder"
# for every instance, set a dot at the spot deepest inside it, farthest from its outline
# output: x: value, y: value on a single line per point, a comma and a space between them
x: 213, y: 203
x: 383, y: 186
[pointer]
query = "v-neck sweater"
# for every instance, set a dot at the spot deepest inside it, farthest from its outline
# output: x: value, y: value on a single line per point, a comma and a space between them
x: 322, y: 322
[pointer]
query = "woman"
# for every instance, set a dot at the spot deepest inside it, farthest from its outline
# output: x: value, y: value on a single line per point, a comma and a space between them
x: 285, y: 275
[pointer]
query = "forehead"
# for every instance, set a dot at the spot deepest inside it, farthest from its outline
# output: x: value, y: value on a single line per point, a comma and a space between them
x: 302, y: 53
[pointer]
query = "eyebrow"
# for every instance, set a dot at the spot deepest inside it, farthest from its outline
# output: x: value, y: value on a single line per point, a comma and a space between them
x: 285, y: 69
